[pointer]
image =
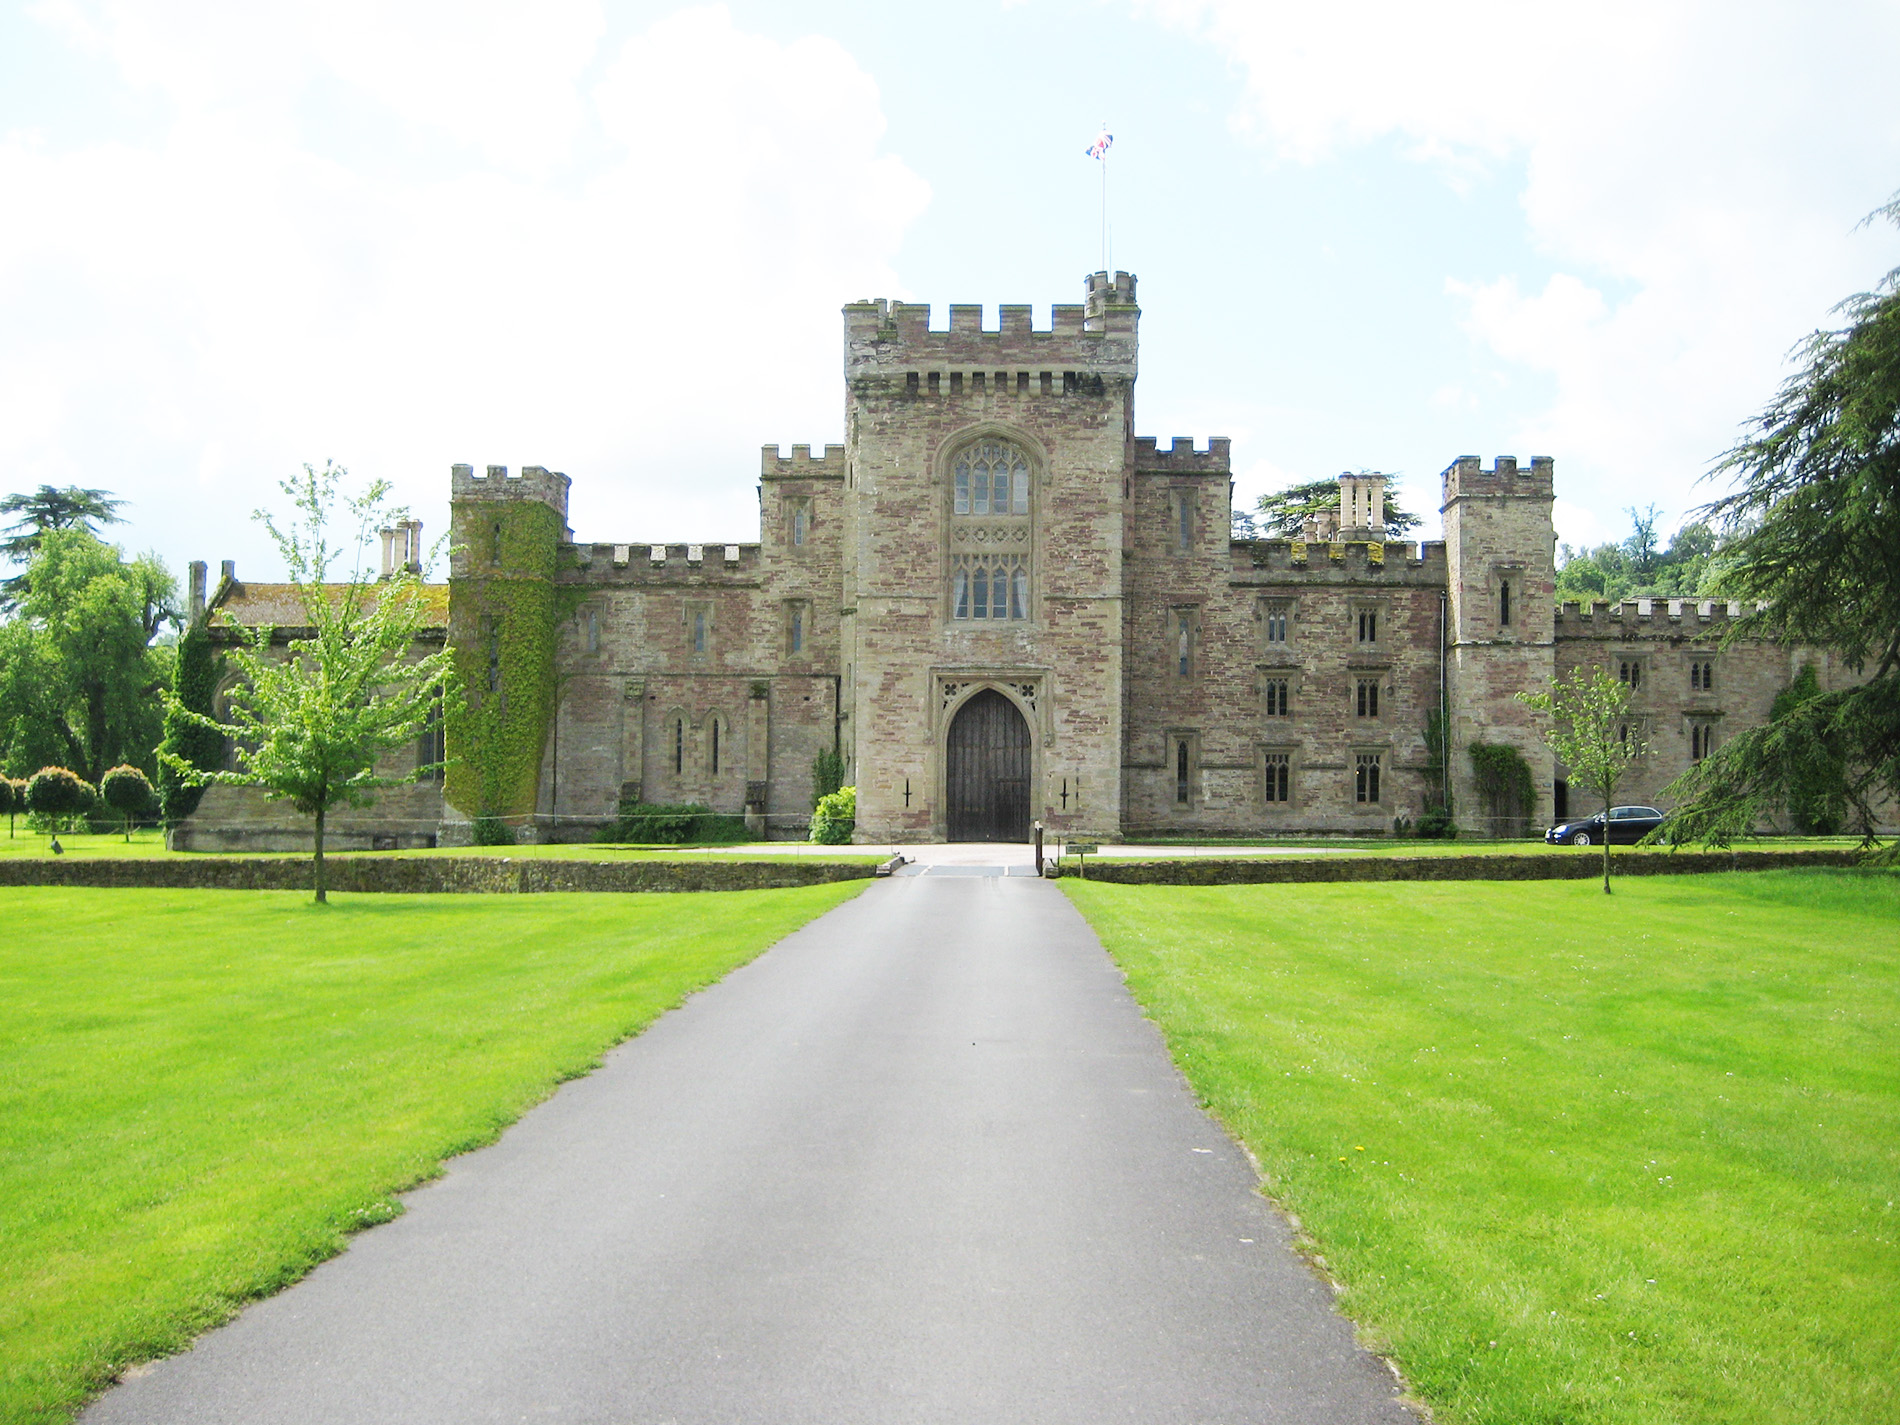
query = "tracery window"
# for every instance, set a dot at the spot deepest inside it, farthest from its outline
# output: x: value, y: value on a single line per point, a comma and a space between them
x: 989, y: 588
x: 992, y: 478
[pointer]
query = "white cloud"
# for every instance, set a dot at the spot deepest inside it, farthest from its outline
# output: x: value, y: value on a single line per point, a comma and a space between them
x: 628, y: 248
x: 1693, y: 171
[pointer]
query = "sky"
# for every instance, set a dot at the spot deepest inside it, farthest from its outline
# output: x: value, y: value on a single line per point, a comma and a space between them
x: 613, y: 238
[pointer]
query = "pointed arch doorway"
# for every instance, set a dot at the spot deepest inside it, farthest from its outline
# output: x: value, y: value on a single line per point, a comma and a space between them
x: 987, y: 771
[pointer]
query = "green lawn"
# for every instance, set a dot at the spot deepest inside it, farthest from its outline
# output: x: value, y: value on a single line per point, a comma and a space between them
x: 202, y: 1093
x: 1574, y: 1158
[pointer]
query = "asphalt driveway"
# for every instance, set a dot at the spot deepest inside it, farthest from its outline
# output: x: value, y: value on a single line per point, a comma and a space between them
x: 923, y: 1161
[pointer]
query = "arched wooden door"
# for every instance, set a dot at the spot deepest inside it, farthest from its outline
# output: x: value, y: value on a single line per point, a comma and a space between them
x: 987, y: 771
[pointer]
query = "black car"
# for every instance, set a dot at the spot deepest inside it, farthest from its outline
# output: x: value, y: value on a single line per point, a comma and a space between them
x: 1626, y: 824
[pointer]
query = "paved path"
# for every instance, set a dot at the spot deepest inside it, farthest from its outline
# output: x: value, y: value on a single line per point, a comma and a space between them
x: 923, y: 1162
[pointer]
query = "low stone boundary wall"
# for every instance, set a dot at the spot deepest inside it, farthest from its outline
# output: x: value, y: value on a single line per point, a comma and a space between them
x: 420, y: 874
x: 1586, y: 865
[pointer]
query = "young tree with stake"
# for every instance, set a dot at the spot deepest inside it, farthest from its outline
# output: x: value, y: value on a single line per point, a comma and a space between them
x: 1592, y: 734
x: 310, y: 727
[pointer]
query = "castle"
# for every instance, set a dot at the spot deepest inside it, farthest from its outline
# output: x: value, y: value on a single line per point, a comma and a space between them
x: 1002, y: 606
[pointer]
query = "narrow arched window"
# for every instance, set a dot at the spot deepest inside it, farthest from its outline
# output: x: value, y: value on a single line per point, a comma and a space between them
x: 980, y: 584
x: 679, y: 745
x: 1504, y: 603
x: 715, y: 747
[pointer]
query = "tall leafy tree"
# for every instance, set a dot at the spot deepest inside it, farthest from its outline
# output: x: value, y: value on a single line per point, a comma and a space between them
x: 79, y: 671
x: 1815, y: 520
x: 1282, y: 514
x: 49, y: 508
x: 309, y: 725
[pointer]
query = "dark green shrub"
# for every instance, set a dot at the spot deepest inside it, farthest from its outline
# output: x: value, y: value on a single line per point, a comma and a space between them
x: 1504, y: 785
x: 660, y: 824
x: 126, y: 790
x: 56, y: 796
x: 1436, y: 825
x: 491, y: 831
x: 835, y: 818
x: 827, y: 775
x: 12, y: 800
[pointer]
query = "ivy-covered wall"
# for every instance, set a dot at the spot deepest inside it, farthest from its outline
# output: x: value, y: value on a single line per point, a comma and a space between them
x: 502, y: 618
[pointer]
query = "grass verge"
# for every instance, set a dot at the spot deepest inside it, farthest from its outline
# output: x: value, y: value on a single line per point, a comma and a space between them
x: 1572, y: 1159
x: 203, y: 1093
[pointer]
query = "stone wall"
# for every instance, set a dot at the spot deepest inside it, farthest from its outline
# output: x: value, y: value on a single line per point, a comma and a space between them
x: 1284, y: 870
x: 415, y: 875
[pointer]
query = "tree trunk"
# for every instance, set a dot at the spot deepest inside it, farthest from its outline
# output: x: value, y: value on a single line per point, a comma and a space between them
x: 1608, y: 796
x: 323, y: 893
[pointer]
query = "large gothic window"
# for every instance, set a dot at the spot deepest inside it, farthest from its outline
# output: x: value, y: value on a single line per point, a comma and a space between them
x: 992, y: 479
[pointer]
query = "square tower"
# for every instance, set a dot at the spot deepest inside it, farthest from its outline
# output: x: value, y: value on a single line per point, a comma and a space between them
x: 982, y: 572
x: 1500, y: 553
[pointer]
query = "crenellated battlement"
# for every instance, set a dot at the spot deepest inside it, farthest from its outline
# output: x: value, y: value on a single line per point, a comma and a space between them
x: 802, y: 465
x: 1181, y: 458
x: 1466, y: 477
x: 535, y: 482
x: 1352, y: 560
x: 601, y: 563
x: 1637, y: 616
x: 888, y: 338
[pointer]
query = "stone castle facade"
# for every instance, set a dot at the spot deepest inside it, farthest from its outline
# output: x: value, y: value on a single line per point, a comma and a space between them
x: 1001, y: 605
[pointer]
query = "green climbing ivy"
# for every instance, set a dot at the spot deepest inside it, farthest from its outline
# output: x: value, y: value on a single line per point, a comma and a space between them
x: 195, y: 677
x: 504, y: 615
x: 1503, y: 781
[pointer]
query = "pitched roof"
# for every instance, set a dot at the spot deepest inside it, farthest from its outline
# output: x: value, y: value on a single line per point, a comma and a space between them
x: 282, y: 606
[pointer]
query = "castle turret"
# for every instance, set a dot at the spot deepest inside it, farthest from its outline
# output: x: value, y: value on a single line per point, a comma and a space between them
x: 505, y: 535
x: 1500, y: 548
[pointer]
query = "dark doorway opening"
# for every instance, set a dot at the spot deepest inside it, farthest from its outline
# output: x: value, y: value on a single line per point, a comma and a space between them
x: 987, y: 771
x: 1561, y: 800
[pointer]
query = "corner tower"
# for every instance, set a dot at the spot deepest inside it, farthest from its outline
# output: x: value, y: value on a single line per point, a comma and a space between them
x: 981, y: 628
x: 1500, y: 552
x: 505, y: 535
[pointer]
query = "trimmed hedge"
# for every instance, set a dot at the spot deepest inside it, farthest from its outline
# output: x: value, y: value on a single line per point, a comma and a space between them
x: 418, y: 875
x: 1274, y: 870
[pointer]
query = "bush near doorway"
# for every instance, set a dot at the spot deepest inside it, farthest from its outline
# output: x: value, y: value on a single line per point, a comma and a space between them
x: 836, y: 817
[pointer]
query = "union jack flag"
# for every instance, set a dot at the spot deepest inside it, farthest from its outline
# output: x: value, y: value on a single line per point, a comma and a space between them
x: 1099, y: 149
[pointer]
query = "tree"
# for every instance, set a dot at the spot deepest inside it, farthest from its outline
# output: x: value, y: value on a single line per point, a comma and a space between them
x: 1691, y: 567
x: 1591, y: 733
x: 127, y: 792
x: 1814, y: 520
x: 12, y: 800
x: 78, y: 668
x: 1283, y: 514
x: 49, y: 508
x: 56, y: 792
x: 309, y: 727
